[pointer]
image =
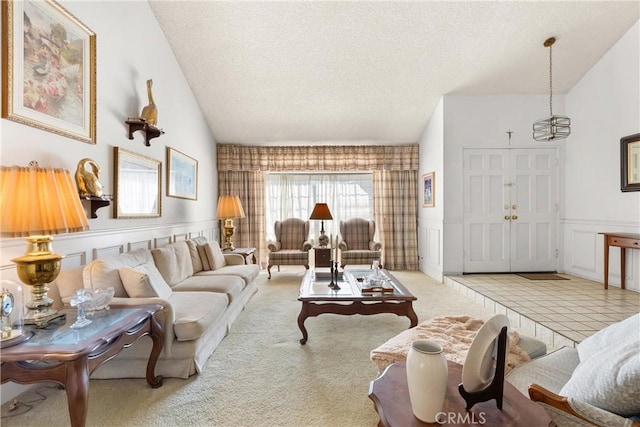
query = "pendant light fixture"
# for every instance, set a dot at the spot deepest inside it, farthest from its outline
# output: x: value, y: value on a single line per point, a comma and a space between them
x: 552, y: 127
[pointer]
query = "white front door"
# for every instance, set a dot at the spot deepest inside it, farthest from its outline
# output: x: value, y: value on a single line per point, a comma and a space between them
x: 510, y: 210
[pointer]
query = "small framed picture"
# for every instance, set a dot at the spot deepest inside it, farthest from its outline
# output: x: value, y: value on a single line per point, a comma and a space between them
x: 182, y: 175
x: 429, y: 190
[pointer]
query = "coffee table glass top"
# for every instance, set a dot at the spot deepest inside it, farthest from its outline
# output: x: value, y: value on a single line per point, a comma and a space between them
x: 315, y: 286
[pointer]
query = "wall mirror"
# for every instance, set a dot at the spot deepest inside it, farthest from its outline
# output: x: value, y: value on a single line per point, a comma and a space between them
x: 137, y: 185
x: 630, y: 163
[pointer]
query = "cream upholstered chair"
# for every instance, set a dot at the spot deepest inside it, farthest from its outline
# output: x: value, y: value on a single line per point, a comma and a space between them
x: 292, y: 244
x: 357, y: 245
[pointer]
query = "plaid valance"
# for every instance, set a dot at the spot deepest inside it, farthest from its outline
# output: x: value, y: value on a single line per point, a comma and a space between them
x: 234, y: 157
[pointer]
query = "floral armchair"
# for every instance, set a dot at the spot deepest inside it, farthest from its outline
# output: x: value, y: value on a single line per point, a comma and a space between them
x: 292, y: 244
x: 357, y: 245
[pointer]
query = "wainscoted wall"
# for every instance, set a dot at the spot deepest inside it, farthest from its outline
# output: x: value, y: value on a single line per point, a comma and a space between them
x: 81, y: 248
x: 430, y: 248
x: 584, y: 252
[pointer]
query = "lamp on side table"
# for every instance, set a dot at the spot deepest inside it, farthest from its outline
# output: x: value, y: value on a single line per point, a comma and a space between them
x: 321, y: 211
x: 229, y: 208
x: 35, y: 203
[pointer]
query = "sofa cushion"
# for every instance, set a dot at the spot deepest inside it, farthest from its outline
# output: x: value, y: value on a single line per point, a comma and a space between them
x: 174, y: 262
x: 232, y: 286
x: 609, y: 337
x: 211, y: 256
x: 248, y: 272
x: 68, y: 282
x: 144, y: 281
x: 196, y: 261
x: 609, y: 379
x: 195, y: 312
x: 102, y: 273
x: 199, y: 240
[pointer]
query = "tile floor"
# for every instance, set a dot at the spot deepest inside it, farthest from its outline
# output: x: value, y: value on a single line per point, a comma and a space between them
x: 558, y: 312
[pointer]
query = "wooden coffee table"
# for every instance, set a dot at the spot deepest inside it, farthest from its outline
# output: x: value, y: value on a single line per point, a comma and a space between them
x: 390, y: 396
x: 317, y: 298
x: 68, y: 356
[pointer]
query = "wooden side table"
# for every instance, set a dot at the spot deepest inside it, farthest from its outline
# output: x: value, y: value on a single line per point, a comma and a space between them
x: 623, y: 241
x: 249, y: 254
x: 68, y: 356
x: 322, y: 256
x: 390, y: 396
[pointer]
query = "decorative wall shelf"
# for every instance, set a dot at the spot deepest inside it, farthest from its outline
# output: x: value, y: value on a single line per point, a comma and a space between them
x: 96, y: 203
x: 136, y: 124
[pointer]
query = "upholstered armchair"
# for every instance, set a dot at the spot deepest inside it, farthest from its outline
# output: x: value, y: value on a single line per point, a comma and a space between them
x: 292, y: 244
x: 357, y: 245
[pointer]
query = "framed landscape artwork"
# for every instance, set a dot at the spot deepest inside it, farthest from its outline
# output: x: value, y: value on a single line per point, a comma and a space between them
x: 428, y: 190
x: 182, y: 175
x: 48, y: 69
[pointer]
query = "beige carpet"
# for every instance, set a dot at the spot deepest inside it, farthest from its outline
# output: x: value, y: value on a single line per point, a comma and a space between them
x: 261, y: 375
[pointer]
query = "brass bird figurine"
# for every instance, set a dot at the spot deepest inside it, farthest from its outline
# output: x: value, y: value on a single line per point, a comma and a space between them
x: 150, y: 112
x: 87, y: 182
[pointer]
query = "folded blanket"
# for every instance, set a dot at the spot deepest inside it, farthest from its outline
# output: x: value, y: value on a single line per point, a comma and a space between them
x: 454, y: 333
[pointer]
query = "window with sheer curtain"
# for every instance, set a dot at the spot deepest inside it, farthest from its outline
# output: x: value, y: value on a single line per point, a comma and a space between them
x: 392, y: 202
x: 293, y: 195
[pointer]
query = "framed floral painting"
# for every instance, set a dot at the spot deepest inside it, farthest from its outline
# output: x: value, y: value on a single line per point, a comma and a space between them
x: 48, y: 69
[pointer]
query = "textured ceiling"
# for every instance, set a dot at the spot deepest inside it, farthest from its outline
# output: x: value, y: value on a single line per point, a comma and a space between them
x: 371, y: 71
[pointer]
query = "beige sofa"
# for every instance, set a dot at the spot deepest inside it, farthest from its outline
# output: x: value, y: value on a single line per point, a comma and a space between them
x: 598, y: 382
x: 201, y: 289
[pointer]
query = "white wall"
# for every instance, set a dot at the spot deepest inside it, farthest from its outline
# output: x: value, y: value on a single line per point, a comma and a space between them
x: 604, y: 106
x: 131, y: 48
x: 482, y: 122
x: 430, y: 241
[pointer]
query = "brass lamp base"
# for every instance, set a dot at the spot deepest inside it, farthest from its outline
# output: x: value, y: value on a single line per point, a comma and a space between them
x: 229, y: 229
x: 37, y: 267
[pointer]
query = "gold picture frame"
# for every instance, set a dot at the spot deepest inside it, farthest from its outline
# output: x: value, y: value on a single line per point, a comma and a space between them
x: 49, y: 69
x: 429, y: 190
x: 182, y: 175
x: 138, y: 185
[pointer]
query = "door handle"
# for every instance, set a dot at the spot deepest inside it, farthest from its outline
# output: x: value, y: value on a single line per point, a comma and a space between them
x: 514, y: 216
x: 507, y: 217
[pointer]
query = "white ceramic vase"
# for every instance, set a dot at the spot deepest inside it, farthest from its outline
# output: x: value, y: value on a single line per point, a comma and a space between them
x: 427, y: 379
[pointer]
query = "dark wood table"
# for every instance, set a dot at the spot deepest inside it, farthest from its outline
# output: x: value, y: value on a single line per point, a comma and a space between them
x: 390, y: 396
x: 317, y: 298
x: 249, y: 254
x: 68, y: 356
x: 623, y: 241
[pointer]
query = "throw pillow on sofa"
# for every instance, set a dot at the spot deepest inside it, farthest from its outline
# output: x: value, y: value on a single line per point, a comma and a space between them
x: 144, y: 281
x: 174, y: 262
x: 211, y: 255
x: 609, y: 379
